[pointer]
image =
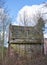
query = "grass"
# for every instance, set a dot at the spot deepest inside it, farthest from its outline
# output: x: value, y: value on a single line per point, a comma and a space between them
x: 4, y: 54
x: 16, y: 59
x: 20, y: 60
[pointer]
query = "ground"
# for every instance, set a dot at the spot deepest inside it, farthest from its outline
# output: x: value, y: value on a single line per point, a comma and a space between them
x: 20, y: 60
x: 16, y: 59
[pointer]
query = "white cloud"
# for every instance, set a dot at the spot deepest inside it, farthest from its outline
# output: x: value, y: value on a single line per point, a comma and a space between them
x: 45, y: 35
x: 46, y: 25
x: 5, y: 38
x: 1, y: 10
x: 14, y: 23
x: 31, y: 14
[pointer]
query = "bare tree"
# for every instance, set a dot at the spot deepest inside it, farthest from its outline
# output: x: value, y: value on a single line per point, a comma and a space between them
x: 37, y: 33
x: 4, y: 22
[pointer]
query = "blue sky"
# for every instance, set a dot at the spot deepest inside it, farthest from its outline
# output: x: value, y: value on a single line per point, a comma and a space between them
x: 13, y: 6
